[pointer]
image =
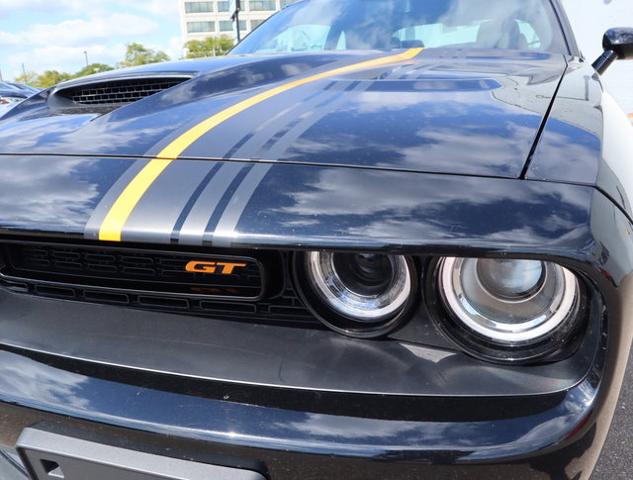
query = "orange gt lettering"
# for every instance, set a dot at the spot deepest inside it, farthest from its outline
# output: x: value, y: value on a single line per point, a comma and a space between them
x: 218, y: 268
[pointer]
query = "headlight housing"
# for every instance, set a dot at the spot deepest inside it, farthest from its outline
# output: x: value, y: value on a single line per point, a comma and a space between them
x: 508, y: 309
x: 362, y: 295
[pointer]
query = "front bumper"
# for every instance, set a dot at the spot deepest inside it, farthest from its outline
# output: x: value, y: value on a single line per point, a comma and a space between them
x: 554, y: 436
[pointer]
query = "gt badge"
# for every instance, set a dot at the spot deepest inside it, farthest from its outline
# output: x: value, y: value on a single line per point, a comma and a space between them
x: 214, y: 268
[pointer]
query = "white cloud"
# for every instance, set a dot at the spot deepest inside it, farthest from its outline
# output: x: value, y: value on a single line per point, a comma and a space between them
x: 9, y: 39
x: 8, y: 7
x: 101, y: 28
x: 175, y: 48
x: 166, y: 8
x: 80, y: 31
x: 65, y: 58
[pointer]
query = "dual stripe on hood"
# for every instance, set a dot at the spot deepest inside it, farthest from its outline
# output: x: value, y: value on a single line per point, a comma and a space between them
x: 199, y: 198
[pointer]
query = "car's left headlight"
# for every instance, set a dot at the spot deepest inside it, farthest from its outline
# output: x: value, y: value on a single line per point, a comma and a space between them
x: 508, y: 308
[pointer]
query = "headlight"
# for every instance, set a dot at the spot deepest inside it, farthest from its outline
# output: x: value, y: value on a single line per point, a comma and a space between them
x: 516, y: 305
x: 362, y: 295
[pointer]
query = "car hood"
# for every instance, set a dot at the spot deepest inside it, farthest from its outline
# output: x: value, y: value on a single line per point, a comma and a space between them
x: 440, y: 111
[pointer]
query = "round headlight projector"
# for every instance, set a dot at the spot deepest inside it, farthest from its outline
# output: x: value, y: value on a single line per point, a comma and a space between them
x: 361, y: 295
x: 508, y: 303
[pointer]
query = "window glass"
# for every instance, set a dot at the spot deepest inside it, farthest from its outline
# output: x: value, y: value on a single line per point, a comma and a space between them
x: 300, y: 38
x: 229, y: 26
x: 396, y: 24
x: 223, y: 6
x: 198, y: 7
x: 226, y: 26
x: 262, y: 5
x: 200, y: 27
x: 437, y: 35
x: 342, y: 42
x: 531, y: 37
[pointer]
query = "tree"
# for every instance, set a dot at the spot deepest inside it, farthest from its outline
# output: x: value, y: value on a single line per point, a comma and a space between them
x: 50, y: 78
x: 138, y: 54
x: 28, y: 78
x: 209, y: 47
x: 92, y: 69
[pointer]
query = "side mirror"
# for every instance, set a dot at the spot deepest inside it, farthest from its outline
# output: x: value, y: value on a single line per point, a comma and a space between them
x: 618, y: 45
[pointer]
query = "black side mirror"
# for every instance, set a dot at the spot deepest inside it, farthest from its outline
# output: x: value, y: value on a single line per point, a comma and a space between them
x: 618, y: 45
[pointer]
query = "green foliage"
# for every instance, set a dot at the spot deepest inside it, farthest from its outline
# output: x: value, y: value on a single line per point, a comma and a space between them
x: 209, y: 47
x: 50, y: 78
x: 92, y: 69
x: 138, y: 54
x: 28, y: 78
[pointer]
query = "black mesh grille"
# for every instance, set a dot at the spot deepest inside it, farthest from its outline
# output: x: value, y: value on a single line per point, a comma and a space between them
x: 282, y: 309
x: 141, y: 270
x: 118, y: 92
x: 154, y: 280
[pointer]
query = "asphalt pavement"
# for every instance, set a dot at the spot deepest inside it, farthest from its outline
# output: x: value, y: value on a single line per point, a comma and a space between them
x: 616, y: 461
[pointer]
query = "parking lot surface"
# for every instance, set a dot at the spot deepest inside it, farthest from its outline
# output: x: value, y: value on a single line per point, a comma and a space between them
x: 616, y: 461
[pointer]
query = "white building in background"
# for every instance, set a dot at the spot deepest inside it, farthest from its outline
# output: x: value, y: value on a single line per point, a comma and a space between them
x: 590, y: 19
x: 200, y: 20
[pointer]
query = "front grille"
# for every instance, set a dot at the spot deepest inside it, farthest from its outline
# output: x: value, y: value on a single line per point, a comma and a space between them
x: 155, y: 280
x: 118, y: 92
x: 151, y: 271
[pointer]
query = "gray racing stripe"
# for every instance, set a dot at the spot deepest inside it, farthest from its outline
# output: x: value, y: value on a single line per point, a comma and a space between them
x: 156, y: 214
x: 194, y: 227
x: 277, y: 148
x: 273, y: 122
x: 225, y: 231
x: 254, y: 148
x: 277, y: 122
x: 91, y: 232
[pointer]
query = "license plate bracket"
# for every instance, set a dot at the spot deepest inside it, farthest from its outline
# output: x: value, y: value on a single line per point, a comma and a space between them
x: 49, y: 456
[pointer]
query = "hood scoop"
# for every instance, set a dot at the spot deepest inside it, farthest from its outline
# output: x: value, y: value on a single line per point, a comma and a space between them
x: 113, y: 93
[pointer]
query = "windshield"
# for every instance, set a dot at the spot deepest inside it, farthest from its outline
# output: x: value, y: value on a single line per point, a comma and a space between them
x: 318, y: 25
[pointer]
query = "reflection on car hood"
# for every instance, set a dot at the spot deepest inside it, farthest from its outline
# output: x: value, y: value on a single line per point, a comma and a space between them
x: 445, y: 111
x: 242, y: 205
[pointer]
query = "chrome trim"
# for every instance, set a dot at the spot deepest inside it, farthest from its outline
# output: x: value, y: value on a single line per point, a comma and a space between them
x: 527, y: 332
x: 326, y: 285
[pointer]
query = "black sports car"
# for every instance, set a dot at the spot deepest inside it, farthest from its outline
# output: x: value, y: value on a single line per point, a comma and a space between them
x: 382, y: 239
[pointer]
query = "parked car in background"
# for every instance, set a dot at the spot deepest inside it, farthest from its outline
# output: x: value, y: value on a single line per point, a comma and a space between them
x: 13, y: 93
x: 382, y: 239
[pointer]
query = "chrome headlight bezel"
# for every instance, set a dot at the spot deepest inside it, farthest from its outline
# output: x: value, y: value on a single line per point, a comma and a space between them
x: 524, y: 342
x: 347, y: 321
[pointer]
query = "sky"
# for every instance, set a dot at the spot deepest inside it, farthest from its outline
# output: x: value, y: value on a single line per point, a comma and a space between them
x: 53, y: 34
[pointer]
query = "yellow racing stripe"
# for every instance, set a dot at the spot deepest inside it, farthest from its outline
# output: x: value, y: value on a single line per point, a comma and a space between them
x: 112, y: 226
